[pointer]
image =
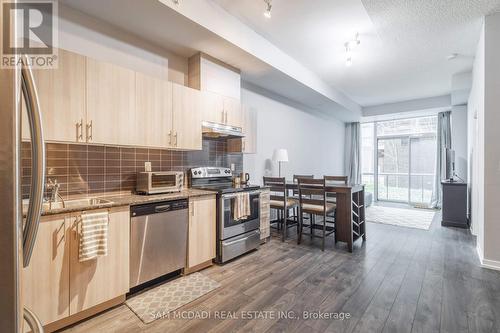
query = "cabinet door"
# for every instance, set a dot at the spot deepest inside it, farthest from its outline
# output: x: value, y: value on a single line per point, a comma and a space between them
x: 250, y: 130
x: 61, y: 93
x: 247, y: 144
x: 234, y: 115
x: 111, y: 104
x: 212, y: 107
x: 201, y: 237
x: 186, y: 118
x: 153, y: 112
x: 96, y: 281
x: 45, y: 282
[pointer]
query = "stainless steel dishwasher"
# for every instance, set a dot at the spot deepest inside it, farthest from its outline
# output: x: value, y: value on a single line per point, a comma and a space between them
x: 158, y: 239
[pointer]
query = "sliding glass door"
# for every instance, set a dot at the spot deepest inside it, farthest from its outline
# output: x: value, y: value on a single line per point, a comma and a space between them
x: 393, y: 168
x: 422, y: 166
x: 406, y: 168
x: 398, y: 159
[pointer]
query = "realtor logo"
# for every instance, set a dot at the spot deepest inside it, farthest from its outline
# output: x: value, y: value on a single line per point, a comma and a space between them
x: 30, y: 28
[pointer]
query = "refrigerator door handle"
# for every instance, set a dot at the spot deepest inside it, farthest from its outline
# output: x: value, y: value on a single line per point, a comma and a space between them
x: 38, y: 160
x: 33, y: 322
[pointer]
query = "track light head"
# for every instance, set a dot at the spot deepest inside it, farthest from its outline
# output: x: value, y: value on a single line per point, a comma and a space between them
x: 269, y: 7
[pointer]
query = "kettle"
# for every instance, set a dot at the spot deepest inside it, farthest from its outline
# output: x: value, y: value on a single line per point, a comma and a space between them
x: 244, y: 178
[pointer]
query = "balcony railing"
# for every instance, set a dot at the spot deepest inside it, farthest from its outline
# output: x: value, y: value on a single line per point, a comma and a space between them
x: 401, y: 187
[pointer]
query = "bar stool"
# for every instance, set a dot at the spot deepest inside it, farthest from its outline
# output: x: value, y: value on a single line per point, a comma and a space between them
x: 282, y: 203
x: 312, y: 200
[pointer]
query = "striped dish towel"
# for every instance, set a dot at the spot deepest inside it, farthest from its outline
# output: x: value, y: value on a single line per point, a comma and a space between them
x: 241, y: 206
x: 93, y: 236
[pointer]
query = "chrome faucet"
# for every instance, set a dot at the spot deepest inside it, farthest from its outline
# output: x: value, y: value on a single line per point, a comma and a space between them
x: 53, y: 188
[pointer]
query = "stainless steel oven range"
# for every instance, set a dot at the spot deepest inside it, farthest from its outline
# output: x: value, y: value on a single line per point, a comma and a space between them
x: 234, y: 237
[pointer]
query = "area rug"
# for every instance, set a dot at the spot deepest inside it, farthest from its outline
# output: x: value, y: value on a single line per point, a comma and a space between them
x: 410, y: 218
x: 160, y: 301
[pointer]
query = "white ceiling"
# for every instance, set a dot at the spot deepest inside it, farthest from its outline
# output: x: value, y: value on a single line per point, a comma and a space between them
x: 404, y: 44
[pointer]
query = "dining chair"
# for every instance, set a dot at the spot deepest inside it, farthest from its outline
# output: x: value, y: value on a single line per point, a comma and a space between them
x: 282, y: 203
x: 334, y: 180
x: 296, y: 193
x: 312, y: 200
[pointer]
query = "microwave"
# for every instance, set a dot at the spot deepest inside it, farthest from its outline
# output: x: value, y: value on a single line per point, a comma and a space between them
x: 151, y: 182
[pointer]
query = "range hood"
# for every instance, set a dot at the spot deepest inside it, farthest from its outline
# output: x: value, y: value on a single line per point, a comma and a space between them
x: 215, y: 130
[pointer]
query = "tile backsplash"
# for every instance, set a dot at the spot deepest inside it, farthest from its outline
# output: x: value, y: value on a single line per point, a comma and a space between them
x: 93, y: 170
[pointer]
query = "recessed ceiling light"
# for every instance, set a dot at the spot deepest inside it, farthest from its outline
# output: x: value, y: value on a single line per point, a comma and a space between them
x: 269, y: 7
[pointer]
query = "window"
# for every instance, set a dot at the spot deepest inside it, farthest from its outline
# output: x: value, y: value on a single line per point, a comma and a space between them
x: 403, y: 166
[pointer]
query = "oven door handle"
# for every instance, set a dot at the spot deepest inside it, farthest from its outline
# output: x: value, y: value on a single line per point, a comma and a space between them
x: 231, y: 196
x: 256, y: 232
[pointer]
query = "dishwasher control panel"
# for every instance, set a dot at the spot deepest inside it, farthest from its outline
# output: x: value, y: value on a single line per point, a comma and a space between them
x: 158, y: 207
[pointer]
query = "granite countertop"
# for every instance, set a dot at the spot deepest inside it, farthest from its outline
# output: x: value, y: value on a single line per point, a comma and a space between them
x: 129, y: 199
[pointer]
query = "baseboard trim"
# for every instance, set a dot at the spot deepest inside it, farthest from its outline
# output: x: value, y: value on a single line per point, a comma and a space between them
x: 486, y: 263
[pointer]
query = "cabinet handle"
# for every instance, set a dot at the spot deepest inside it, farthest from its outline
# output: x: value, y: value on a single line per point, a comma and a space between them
x: 79, y: 131
x: 192, y: 211
x: 90, y: 130
x: 223, y: 115
x: 226, y: 119
x: 175, y: 136
x: 170, y: 137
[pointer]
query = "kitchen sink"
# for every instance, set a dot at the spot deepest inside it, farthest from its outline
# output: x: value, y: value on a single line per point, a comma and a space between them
x: 74, y: 203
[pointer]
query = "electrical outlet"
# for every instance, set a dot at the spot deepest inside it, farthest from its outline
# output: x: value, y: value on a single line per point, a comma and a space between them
x: 233, y: 167
x: 147, y: 166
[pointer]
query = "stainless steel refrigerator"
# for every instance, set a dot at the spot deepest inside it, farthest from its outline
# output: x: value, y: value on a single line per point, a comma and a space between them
x: 18, y: 235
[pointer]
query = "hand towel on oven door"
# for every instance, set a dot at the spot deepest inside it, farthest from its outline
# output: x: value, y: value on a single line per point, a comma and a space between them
x: 241, y: 206
x: 93, y: 235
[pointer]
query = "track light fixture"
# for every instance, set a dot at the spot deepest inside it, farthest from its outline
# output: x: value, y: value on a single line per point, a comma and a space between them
x: 349, y: 46
x: 269, y: 7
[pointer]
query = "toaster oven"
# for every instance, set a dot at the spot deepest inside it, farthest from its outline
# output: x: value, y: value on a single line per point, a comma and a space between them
x: 152, y: 182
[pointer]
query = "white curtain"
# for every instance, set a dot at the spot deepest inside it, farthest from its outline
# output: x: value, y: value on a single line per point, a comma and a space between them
x: 443, y: 141
x: 353, y: 152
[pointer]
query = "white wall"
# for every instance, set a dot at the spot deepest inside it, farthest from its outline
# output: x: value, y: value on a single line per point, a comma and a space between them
x: 491, y: 140
x: 315, y: 144
x: 483, y: 133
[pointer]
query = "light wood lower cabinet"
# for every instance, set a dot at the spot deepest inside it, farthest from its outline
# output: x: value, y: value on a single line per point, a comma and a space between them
x: 202, y: 231
x: 56, y: 285
x: 96, y: 281
x: 45, y: 282
x: 265, y: 214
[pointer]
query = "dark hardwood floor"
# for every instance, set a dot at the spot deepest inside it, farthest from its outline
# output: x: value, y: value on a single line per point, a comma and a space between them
x: 400, y: 280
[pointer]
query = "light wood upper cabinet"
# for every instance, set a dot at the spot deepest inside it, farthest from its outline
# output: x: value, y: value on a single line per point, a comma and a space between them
x: 202, y: 234
x: 212, y: 107
x: 95, y: 281
x: 111, y: 114
x: 247, y: 144
x: 234, y: 114
x: 153, y: 126
x: 186, y: 118
x: 61, y: 93
x: 45, y: 282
